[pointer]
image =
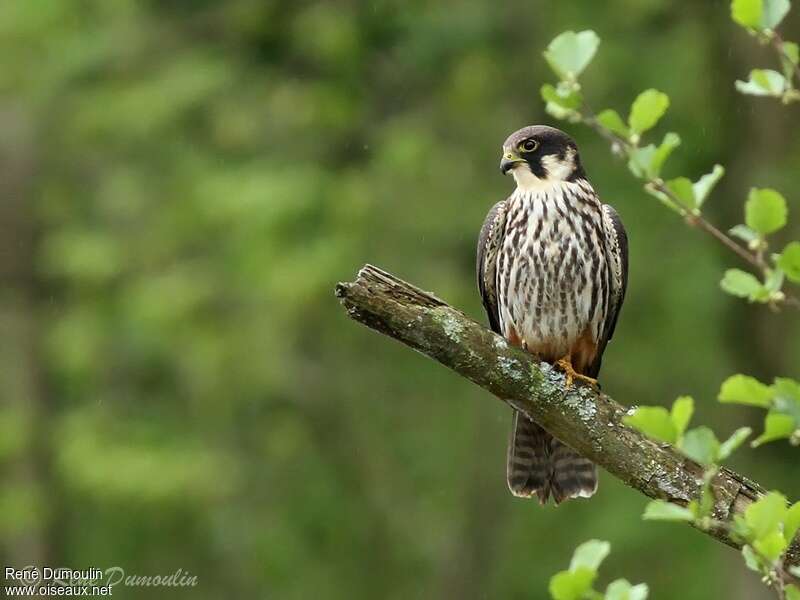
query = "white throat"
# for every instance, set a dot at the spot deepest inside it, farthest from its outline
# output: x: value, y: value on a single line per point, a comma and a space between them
x: 557, y: 169
x: 528, y: 182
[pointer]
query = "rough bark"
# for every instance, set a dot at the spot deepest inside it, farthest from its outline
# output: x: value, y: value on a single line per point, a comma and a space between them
x: 582, y: 417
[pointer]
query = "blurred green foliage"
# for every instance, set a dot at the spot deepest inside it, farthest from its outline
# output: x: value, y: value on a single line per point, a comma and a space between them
x: 182, y: 185
x: 576, y: 582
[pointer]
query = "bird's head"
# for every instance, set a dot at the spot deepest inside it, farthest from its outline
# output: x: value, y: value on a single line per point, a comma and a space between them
x: 538, y: 156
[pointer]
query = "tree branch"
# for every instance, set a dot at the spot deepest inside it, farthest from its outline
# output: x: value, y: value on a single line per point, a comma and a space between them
x: 587, y: 420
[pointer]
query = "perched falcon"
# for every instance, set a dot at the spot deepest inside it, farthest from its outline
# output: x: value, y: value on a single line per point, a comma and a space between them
x: 552, y: 272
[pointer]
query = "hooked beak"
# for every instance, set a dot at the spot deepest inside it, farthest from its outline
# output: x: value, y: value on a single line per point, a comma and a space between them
x: 509, y: 161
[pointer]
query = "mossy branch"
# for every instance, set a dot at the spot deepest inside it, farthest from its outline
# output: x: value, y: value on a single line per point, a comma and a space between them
x: 585, y: 419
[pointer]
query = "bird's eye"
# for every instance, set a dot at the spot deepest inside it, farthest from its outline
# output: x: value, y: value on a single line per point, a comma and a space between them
x: 528, y: 145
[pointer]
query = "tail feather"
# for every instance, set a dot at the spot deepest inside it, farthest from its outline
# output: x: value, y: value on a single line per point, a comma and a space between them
x: 528, y: 470
x: 540, y: 465
x: 573, y: 476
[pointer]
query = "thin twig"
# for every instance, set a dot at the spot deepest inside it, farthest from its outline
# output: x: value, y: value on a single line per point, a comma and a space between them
x: 754, y: 259
x: 777, y: 43
x: 778, y: 575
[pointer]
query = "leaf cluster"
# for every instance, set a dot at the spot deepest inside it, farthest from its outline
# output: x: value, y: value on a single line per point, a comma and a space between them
x: 760, y: 18
x: 577, y: 582
x: 765, y: 210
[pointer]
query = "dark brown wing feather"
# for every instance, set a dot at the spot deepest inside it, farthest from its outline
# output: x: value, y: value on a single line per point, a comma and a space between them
x: 617, y: 255
x: 490, y: 241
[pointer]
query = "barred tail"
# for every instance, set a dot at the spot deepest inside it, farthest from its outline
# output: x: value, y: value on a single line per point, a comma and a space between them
x: 540, y: 465
x: 573, y: 475
x: 529, y: 469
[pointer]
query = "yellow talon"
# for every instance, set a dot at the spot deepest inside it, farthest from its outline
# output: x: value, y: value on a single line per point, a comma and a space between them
x: 571, y: 374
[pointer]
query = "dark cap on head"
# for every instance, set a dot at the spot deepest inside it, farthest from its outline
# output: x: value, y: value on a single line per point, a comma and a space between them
x: 544, y: 133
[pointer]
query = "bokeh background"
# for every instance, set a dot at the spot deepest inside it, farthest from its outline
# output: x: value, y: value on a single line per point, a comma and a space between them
x: 182, y: 183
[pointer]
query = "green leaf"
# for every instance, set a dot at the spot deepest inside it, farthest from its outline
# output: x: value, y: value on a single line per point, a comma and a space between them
x: 789, y: 58
x: 570, y: 53
x: 621, y: 589
x: 571, y: 585
x: 681, y: 413
x: 589, y: 555
x: 647, y: 109
x: 765, y: 210
x: 564, y: 96
x: 763, y: 82
x: 654, y: 422
x: 741, y: 283
x: 792, y: 52
x: 683, y: 190
x: 574, y: 583
x: 661, y: 196
x: 558, y: 111
x: 747, y: 13
x: 772, y: 545
x: 786, y: 389
x: 773, y: 13
x: 549, y: 94
x: 792, y: 592
x: 791, y: 523
x: 661, y: 510
x: 765, y: 515
x: 639, y: 592
x: 743, y: 232
x: 706, y: 504
x: 759, y: 14
x: 704, y: 185
x: 641, y: 159
x: 611, y: 120
x: 743, y: 389
x: 733, y: 442
x: 744, y: 285
x: 739, y: 527
x: 751, y: 559
x: 777, y: 426
x: 787, y: 396
x: 789, y: 261
x: 773, y: 281
x: 669, y: 143
x: 701, y: 445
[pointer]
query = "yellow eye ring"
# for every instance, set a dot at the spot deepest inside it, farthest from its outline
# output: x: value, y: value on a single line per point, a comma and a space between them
x: 528, y: 145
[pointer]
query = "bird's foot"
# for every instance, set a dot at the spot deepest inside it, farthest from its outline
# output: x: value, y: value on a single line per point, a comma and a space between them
x: 571, y: 374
